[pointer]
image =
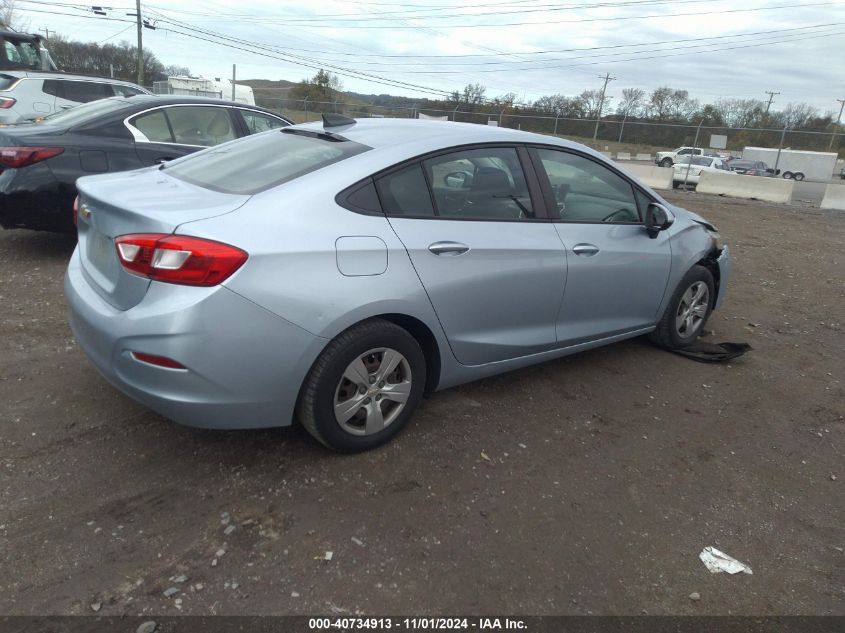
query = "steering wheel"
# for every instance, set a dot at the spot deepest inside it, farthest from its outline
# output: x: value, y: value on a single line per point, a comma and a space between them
x: 622, y: 213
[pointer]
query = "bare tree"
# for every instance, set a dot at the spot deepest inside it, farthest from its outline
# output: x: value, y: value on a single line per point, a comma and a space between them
x: 181, y: 71
x: 591, y: 102
x: 10, y: 17
x: 741, y: 112
x: 632, y: 101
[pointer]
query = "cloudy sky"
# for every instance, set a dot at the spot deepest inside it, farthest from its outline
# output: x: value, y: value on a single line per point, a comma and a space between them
x: 712, y: 48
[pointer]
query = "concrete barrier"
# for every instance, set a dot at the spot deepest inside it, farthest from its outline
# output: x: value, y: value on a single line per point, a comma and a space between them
x: 643, y: 157
x: 652, y: 175
x: 834, y: 197
x: 623, y: 156
x: 751, y: 187
x: 608, y: 154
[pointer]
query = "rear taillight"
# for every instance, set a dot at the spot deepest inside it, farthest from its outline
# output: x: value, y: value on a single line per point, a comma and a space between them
x: 6, y: 103
x: 178, y: 259
x: 24, y: 156
x: 75, y: 210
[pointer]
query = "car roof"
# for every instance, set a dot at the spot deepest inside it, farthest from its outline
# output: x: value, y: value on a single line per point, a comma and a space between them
x: 418, y: 135
x: 153, y: 100
x: 39, y: 74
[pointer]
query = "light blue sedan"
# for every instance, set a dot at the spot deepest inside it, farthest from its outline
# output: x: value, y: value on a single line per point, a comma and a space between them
x: 334, y: 273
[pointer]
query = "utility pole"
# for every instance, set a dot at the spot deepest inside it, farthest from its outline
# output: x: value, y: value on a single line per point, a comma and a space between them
x: 838, y: 120
x: 607, y: 78
x: 771, y: 96
x: 233, y: 81
x: 46, y: 32
x: 140, y: 44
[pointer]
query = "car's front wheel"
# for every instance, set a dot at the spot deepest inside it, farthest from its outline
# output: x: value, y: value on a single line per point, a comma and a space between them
x: 687, y: 312
x: 666, y: 162
x: 364, y: 387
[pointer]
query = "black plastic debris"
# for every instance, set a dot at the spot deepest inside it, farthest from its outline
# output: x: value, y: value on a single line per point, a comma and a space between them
x: 705, y: 352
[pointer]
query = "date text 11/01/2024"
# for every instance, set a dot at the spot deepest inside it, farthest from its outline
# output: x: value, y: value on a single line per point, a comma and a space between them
x: 417, y: 624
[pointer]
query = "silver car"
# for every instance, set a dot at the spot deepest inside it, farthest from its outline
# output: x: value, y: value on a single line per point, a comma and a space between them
x: 333, y: 274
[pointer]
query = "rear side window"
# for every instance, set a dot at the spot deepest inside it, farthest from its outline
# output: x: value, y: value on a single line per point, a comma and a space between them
x: 405, y: 192
x: 200, y: 125
x: 52, y: 87
x: 257, y: 163
x: 85, y: 91
x: 154, y: 126
x: 6, y: 81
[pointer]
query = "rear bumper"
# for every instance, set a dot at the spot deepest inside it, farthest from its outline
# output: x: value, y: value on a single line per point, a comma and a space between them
x: 244, y: 365
x: 32, y: 198
x: 724, y: 261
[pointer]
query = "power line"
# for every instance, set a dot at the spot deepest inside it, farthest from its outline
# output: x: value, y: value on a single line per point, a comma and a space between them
x: 547, y: 22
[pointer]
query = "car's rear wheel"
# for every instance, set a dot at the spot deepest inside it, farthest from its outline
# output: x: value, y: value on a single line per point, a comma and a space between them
x: 364, y: 387
x: 798, y: 176
x: 787, y: 175
x: 687, y: 312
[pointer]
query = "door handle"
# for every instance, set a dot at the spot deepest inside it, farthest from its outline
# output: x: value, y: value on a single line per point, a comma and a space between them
x: 449, y: 249
x: 587, y: 250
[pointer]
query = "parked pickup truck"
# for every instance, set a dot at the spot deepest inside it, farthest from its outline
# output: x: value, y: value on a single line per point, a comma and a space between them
x: 667, y: 159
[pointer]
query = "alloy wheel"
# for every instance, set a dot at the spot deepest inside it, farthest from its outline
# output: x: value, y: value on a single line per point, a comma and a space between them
x: 692, y: 310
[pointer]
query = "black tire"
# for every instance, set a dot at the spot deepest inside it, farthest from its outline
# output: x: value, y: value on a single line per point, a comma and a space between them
x: 798, y: 176
x: 315, y: 407
x: 666, y: 162
x: 667, y: 333
x: 787, y: 175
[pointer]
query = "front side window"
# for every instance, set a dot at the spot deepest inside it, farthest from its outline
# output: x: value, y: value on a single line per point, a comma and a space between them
x: 486, y: 184
x: 260, y: 122
x: 125, y: 91
x: 586, y: 191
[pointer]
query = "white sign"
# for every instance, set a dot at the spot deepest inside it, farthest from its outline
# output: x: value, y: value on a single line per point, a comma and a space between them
x: 718, y: 141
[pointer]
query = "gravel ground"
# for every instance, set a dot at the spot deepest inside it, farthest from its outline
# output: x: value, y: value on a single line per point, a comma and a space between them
x: 584, y: 485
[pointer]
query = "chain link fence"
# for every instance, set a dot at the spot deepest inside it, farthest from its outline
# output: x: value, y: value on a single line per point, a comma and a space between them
x: 613, y: 133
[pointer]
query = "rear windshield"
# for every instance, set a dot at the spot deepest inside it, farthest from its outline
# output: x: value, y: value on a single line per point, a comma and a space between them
x: 85, y: 112
x: 257, y: 163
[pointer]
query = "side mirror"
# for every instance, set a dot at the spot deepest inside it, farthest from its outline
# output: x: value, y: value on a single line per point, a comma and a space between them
x: 458, y: 180
x: 657, y: 218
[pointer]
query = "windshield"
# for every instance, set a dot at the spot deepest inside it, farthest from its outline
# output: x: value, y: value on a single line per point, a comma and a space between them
x: 85, y: 111
x: 256, y: 163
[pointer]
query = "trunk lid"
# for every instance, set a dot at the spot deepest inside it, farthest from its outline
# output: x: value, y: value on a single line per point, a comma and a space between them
x: 142, y: 201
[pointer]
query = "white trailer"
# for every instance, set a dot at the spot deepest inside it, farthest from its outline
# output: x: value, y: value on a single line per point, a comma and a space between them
x: 200, y: 86
x: 795, y: 163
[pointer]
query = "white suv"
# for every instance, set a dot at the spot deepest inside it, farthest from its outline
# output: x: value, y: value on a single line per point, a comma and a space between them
x: 27, y: 95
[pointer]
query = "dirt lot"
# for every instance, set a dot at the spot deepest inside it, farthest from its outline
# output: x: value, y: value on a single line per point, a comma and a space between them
x: 584, y: 485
